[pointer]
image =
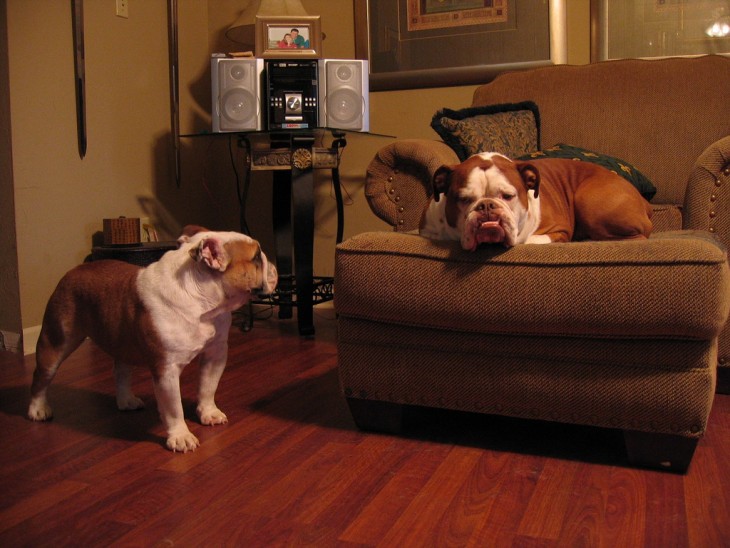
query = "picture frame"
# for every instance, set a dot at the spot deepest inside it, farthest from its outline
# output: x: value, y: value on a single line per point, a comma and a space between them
x: 652, y: 29
x: 274, y: 38
x: 433, y: 43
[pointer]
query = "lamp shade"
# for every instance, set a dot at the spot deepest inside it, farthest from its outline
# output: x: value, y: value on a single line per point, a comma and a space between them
x: 242, y: 30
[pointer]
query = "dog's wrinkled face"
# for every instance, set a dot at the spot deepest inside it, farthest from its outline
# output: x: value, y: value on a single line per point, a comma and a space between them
x: 248, y: 268
x: 239, y: 258
x: 490, y: 199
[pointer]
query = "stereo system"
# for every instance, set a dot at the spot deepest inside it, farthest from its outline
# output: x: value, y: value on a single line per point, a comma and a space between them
x: 251, y: 94
x: 292, y: 94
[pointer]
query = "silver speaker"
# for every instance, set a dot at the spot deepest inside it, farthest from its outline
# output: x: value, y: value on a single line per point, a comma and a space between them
x: 344, y: 89
x: 236, y: 93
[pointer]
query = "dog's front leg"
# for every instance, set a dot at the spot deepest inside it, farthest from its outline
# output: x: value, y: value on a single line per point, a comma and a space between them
x: 212, y: 363
x: 169, y: 403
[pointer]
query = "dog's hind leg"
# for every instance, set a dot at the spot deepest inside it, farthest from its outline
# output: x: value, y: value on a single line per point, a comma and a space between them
x: 126, y: 400
x: 609, y: 208
x: 49, y: 356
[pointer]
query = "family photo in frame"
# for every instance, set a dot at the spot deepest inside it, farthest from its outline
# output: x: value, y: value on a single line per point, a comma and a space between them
x: 286, y: 36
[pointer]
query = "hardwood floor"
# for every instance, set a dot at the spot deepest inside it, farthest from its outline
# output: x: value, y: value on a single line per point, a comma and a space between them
x: 290, y: 468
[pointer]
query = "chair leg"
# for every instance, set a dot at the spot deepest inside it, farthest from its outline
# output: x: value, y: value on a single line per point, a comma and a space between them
x: 664, y: 451
x: 377, y: 416
x: 723, y: 380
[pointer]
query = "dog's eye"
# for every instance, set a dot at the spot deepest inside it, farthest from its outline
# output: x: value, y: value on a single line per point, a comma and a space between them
x: 466, y: 199
x: 507, y: 197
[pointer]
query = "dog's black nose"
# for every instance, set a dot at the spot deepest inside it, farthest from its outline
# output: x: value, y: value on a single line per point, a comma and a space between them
x: 486, y: 204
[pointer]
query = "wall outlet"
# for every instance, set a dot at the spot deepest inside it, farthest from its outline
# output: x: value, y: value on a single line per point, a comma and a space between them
x: 123, y: 8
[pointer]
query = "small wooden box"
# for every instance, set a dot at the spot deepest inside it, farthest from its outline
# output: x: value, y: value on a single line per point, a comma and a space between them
x: 121, y: 231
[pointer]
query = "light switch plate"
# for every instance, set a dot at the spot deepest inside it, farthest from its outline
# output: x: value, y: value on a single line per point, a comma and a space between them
x: 123, y: 8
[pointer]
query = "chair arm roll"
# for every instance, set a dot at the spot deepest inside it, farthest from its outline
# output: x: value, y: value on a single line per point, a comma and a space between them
x: 398, y: 183
x: 707, y: 200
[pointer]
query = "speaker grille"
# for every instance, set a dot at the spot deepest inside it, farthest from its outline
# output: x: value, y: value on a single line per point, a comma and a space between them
x: 235, y: 94
x: 344, y: 106
x: 345, y: 94
x: 238, y: 106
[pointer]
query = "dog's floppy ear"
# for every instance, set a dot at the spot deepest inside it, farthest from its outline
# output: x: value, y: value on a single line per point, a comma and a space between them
x: 531, y: 176
x: 212, y: 253
x: 441, y: 181
x: 269, y: 275
x: 188, y: 232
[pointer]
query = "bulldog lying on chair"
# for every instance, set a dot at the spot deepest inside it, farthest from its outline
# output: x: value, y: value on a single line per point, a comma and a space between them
x: 489, y: 198
x: 163, y: 316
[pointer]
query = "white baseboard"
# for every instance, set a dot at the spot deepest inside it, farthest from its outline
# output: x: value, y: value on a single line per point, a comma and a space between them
x: 30, y: 339
x: 11, y: 341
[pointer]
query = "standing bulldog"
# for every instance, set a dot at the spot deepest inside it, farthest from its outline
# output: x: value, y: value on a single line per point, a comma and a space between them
x: 161, y: 316
x: 489, y: 198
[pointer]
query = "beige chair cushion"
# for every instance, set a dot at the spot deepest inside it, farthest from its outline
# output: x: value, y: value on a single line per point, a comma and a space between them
x: 673, y: 285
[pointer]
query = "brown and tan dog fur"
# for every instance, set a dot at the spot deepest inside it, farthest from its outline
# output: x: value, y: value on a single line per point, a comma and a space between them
x: 161, y: 316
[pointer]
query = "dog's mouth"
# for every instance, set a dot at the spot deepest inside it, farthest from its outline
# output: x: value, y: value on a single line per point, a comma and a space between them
x: 489, y: 232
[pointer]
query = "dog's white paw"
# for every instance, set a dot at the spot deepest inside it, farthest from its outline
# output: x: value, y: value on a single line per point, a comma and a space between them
x: 538, y: 239
x: 211, y: 416
x: 39, y: 410
x: 129, y: 403
x: 182, y: 442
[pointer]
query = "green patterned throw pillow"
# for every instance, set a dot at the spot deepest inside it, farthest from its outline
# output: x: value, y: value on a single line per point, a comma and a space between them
x: 618, y: 166
x: 512, y: 129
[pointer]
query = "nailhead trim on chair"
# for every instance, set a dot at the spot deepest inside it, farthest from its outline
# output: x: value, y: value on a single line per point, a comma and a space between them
x: 724, y: 172
x: 395, y: 198
x: 713, y: 198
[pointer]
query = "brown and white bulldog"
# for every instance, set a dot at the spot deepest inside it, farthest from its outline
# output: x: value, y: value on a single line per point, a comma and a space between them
x: 162, y: 316
x: 489, y: 198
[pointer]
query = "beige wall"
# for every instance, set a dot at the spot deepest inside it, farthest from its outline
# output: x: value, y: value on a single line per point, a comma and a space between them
x: 60, y: 200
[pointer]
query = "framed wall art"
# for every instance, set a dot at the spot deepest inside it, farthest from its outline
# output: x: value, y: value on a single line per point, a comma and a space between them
x: 659, y: 28
x: 435, y: 43
x: 282, y: 37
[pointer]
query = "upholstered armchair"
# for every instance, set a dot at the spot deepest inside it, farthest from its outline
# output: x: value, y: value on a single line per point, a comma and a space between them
x: 627, y: 335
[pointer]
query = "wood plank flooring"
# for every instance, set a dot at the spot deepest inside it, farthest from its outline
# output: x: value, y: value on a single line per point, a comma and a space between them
x: 290, y: 468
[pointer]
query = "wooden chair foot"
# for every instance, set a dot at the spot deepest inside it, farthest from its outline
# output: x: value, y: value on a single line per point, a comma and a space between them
x: 663, y: 451
x: 377, y: 416
x: 723, y: 380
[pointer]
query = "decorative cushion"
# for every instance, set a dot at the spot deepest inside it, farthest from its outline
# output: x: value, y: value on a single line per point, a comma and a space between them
x: 512, y: 129
x: 618, y: 166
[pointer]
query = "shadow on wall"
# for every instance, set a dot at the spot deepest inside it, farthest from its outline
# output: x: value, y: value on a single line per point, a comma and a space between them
x: 204, y: 192
x: 209, y: 191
